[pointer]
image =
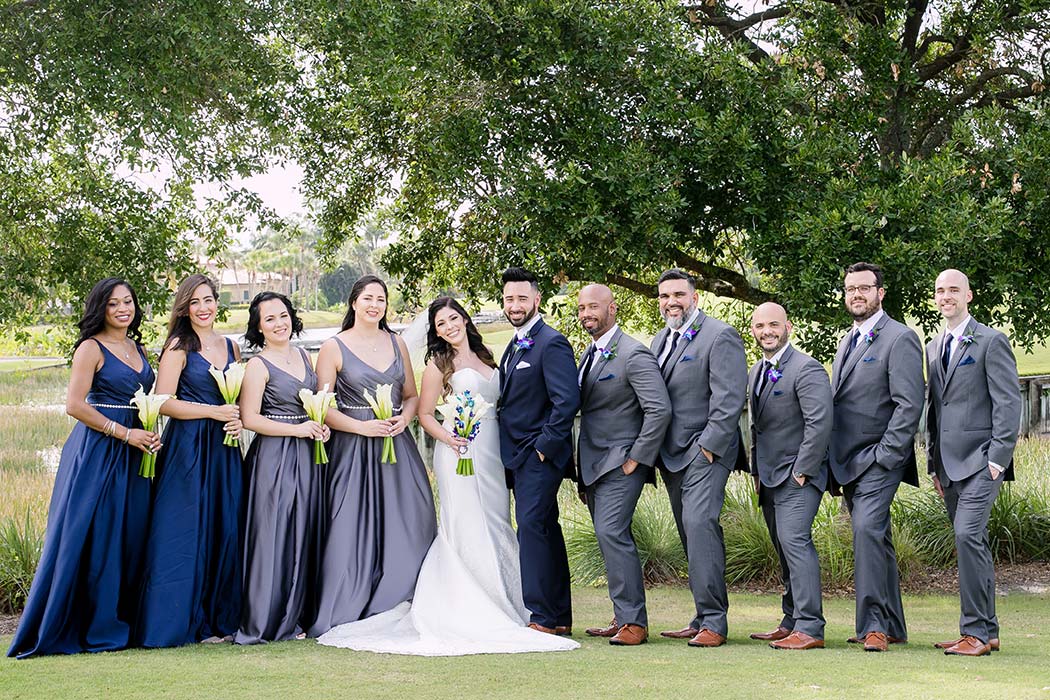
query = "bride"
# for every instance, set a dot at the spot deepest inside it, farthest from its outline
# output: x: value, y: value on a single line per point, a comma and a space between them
x: 468, y: 594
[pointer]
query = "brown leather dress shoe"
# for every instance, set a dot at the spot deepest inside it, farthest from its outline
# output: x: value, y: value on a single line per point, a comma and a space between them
x: 630, y: 636
x: 799, y: 641
x: 889, y: 640
x: 563, y: 631
x: 609, y: 631
x: 969, y: 646
x: 707, y: 638
x: 684, y: 633
x: 875, y: 641
x: 778, y: 633
x: 540, y: 628
x: 993, y: 643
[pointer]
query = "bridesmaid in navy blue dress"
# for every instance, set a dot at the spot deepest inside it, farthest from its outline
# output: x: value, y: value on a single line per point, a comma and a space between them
x: 85, y: 593
x: 192, y: 581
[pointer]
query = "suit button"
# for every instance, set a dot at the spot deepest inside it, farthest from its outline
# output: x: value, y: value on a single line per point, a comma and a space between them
x: 945, y: 403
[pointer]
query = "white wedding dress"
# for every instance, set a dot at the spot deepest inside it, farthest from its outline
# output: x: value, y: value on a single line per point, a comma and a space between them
x: 468, y: 594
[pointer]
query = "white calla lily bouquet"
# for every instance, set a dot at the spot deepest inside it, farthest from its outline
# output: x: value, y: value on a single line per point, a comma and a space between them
x: 317, y: 404
x: 149, y: 413
x: 230, y: 387
x: 383, y: 407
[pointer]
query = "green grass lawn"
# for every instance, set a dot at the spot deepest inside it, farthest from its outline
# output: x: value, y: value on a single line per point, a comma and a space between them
x: 661, y: 669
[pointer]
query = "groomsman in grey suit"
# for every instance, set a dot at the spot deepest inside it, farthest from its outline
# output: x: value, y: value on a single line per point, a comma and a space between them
x: 623, y: 416
x: 790, y: 400
x: 878, y: 395
x: 703, y: 364
x: 973, y: 412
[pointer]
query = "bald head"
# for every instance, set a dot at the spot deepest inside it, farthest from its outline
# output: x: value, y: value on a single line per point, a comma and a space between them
x: 770, y: 327
x: 596, y: 309
x: 952, y: 296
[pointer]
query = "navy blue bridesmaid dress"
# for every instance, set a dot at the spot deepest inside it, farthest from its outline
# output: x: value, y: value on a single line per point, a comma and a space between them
x: 86, y: 588
x: 192, y: 580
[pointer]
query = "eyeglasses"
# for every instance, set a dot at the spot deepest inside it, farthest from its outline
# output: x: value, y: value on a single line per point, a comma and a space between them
x: 860, y: 289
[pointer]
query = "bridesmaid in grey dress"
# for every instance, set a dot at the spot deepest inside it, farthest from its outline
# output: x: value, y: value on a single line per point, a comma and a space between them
x: 284, y: 500
x: 380, y: 518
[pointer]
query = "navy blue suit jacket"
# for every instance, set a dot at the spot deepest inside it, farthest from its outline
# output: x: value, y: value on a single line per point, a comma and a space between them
x: 539, y: 398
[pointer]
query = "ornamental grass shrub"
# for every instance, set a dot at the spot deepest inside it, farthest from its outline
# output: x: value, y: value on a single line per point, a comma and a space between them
x: 21, y: 541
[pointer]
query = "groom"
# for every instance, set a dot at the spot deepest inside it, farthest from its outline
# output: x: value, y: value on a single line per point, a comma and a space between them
x: 539, y: 398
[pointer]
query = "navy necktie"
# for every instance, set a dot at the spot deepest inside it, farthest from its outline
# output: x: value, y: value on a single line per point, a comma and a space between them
x: 674, y: 344
x: 587, y: 364
x: 946, y: 356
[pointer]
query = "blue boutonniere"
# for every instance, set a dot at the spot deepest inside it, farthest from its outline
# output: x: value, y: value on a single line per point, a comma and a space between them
x: 523, y: 344
x: 607, y: 353
x: 774, y: 373
x: 871, y: 335
x: 691, y: 332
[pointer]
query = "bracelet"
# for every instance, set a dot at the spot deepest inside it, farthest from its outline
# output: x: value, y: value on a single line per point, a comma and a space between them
x: 107, y: 428
x: 127, y: 434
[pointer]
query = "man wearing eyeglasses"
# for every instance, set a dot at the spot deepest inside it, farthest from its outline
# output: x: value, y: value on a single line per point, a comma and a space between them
x: 878, y: 396
x: 972, y: 418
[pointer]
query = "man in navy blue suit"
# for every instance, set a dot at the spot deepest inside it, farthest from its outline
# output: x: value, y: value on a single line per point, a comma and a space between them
x: 539, y: 397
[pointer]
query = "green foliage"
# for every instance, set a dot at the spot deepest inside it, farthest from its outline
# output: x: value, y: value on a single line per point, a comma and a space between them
x: 20, y: 544
x: 595, y: 141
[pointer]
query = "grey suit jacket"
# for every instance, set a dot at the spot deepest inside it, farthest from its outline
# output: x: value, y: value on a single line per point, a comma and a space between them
x: 706, y: 381
x: 878, y: 398
x: 624, y: 410
x: 791, y: 421
x: 973, y: 411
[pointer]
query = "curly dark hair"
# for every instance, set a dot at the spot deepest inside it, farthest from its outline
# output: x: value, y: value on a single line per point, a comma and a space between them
x: 252, y: 335
x: 93, y: 320
x: 439, y: 350
x: 355, y: 291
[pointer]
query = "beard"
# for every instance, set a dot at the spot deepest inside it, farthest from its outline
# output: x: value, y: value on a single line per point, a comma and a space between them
x: 676, y: 323
x: 525, y: 319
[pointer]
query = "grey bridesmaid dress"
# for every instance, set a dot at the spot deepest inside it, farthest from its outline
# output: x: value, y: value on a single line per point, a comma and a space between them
x: 284, y: 503
x: 379, y: 518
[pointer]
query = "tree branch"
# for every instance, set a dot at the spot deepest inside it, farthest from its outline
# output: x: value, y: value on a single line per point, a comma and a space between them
x: 928, y: 41
x: 720, y: 280
x: 916, y: 13
x: 724, y: 24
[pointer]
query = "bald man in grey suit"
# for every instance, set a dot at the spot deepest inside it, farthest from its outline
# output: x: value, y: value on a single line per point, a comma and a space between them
x: 878, y: 395
x: 973, y: 413
x: 703, y: 364
x: 623, y: 416
x: 790, y: 400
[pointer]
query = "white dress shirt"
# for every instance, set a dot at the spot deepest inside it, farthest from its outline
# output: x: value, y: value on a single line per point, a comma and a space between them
x: 666, y: 349
x: 601, y: 343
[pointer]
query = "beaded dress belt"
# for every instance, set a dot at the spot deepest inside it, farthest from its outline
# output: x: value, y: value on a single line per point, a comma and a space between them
x: 278, y: 416
x: 348, y: 407
x: 112, y: 405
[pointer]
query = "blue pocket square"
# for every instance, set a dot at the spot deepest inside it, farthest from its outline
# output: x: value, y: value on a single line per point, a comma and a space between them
x: 608, y: 376
x: 868, y: 359
x: 777, y: 393
x: 967, y: 361
x: 685, y: 358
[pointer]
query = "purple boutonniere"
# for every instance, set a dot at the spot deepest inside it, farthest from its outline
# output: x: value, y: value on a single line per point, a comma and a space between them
x: 691, y: 332
x: 523, y: 344
x: 774, y: 373
x: 967, y: 339
x: 607, y: 353
x: 871, y: 335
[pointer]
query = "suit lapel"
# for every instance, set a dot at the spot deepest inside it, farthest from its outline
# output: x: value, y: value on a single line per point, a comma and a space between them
x: 836, y: 365
x: 600, y: 362
x: 517, y: 355
x: 861, y: 350
x: 767, y: 390
x: 959, y: 353
x: 683, y: 343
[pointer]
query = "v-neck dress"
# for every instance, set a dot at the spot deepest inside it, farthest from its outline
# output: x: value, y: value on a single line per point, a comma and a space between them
x: 85, y: 592
x: 282, y: 534
x: 380, y: 518
x: 192, y: 583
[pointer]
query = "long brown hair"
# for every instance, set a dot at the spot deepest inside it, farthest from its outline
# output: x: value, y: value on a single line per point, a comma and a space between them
x: 355, y: 291
x: 442, y: 353
x: 179, y: 326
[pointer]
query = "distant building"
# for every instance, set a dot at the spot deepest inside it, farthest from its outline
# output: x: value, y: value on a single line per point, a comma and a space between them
x: 239, y: 285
